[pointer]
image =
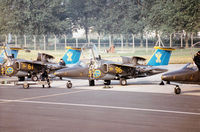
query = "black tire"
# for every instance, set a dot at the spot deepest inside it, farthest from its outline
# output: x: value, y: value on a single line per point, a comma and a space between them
x: 34, y: 78
x: 162, y: 83
x: 177, y: 90
x: 168, y: 82
x: 107, y: 82
x: 91, y: 83
x: 26, y: 86
x: 21, y: 78
x: 69, y: 84
x: 123, y: 82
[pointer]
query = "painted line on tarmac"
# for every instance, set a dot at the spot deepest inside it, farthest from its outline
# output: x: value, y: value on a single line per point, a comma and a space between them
x: 108, y: 107
x: 45, y: 96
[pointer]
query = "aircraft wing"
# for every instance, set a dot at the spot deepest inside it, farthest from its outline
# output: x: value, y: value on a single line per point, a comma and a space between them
x: 41, y: 65
x: 139, y: 70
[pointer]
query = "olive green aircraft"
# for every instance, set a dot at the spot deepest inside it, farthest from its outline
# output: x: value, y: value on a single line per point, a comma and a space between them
x: 100, y: 69
x: 189, y: 74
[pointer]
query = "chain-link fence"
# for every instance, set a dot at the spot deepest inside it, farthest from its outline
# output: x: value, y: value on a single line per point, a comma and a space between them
x: 54, y: 42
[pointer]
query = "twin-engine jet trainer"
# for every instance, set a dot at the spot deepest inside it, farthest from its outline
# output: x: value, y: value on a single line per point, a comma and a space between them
x: 189, y: 74
x: 11, y: 66
x: 99, y: 69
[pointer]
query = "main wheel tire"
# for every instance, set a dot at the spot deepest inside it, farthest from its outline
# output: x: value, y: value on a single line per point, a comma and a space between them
x: 34, y: 78
x: 26, y: 86
x: 69, y: 84
x: 168, y: 82
x: 107, y: 82
x: 177, y: 90
x: 162, y: 83
x: 91, y: 83
x: 123, y: 82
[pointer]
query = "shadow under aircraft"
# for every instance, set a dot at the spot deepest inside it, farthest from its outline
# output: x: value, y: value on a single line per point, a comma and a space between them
x: 43, y: 66
x: 189, y: 74
x: 131, y: 67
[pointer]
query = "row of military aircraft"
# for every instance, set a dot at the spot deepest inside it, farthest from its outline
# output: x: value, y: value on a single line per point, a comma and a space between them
x: 96, y: 69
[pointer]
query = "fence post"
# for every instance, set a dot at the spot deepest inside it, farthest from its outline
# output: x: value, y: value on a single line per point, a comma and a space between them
x: 76, y: 42
x: 133, y: 41
x: 55, y: 39
x: 122, y: 41
x: 99, y: 42
x: 6, y: 39
x: 88, y: 39
x: 170, y: 41
x: 24, y: 40
x: 110, y: 40
x: 15, y: 40
x: 65, y: 41
x: 34, y: 40
x: 147, y: 44
x: 192, y: 38
x: 181, y: 40
x: 44, y: 37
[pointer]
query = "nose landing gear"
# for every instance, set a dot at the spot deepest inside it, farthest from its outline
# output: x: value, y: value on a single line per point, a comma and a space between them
x: 69, y: 84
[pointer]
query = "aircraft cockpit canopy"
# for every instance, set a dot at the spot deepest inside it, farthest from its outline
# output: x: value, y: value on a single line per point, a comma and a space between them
x: 135, y: 60
x: 45, y: 57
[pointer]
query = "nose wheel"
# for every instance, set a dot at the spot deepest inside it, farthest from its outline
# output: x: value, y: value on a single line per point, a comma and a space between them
x: 177, y: 90
x: 69, y: 84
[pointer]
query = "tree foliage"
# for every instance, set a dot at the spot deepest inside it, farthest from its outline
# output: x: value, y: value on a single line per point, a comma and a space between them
x: 102, y: 16
x: 33, y: 17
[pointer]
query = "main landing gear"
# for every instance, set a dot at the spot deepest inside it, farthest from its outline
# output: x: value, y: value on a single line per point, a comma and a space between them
x: 177, y: 89
x: 91, y: 83
x: 123, y: 81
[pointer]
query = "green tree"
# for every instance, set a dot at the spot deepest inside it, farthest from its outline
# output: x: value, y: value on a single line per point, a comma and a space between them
x: 34, y: 17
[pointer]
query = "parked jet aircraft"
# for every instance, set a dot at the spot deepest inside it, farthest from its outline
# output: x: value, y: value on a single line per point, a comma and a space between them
x: 99, y: 69
x: 34, y: 69
x: 188, y: 74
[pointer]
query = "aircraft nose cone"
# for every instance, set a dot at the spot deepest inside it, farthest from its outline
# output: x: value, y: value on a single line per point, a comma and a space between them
x: 164, y: 77
x: 167, y: 77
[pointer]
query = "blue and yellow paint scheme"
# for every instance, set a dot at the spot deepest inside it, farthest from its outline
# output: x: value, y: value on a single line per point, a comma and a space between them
x: 13, y: 52
x: 161, y: 56
x: 72, y: 55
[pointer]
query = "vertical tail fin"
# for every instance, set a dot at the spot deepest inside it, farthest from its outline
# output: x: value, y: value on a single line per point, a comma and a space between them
x: 72, y: 55
x: 9, y: 52
x: 160, y: 57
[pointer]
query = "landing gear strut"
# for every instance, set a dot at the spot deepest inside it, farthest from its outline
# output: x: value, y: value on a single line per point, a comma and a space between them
x: 69, y: 84
x: 177, y: 90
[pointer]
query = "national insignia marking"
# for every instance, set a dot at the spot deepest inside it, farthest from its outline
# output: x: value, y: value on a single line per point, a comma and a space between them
x: 9, y: 70
x: 69, y: 55
x: 97, y: 73
x: 158, y: 56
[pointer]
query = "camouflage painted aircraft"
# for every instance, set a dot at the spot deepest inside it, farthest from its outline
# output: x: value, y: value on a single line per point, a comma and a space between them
x: 189, y: 74
x: 11, y: 66
x: 99, y: 69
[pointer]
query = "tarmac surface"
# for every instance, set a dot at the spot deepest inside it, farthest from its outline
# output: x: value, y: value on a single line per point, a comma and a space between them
x: 142, y: 106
